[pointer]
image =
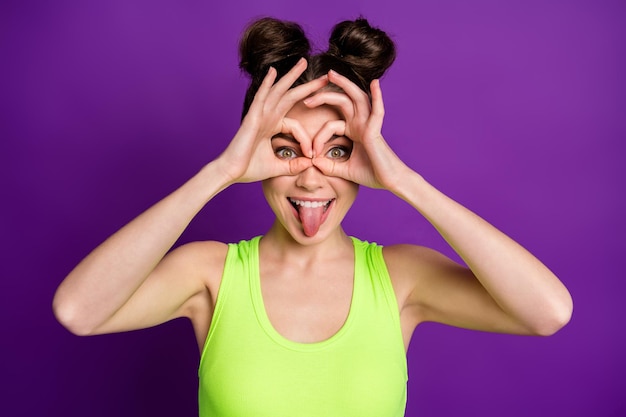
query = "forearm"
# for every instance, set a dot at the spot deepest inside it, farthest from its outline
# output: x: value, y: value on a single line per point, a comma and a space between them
x: 112, y: 272
x: 518, y: 282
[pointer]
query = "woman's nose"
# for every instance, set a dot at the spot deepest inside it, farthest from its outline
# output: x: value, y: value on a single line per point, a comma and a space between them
x: 310, y: 179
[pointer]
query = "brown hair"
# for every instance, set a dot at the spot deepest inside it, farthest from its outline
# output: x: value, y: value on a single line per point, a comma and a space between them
x: 356, y: 50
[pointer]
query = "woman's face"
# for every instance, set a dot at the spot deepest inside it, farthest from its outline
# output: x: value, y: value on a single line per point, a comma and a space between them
x: 311, y: 206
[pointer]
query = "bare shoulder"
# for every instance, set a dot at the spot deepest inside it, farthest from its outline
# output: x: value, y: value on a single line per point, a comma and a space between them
x: 412, y: 262
x: 415, y: 270
x: 415, y: 255
x: 203, y: 259
x: 194, y: 269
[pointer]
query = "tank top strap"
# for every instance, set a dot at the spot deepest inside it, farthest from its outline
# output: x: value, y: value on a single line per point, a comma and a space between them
x: 236, y: 270
x: 374, y: 274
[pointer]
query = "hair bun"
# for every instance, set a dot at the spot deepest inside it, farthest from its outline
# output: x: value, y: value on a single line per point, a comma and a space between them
x: 368, y: 50
x: 272, y: 42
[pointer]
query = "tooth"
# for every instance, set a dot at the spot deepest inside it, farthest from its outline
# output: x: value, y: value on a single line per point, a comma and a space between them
x: 310, y: 204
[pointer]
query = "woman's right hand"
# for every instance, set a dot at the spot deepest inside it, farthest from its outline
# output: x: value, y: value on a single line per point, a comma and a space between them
x: 128, y: 282
x: 249, y: 157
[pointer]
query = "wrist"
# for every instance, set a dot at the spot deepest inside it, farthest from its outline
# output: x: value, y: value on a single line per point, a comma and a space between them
x: 409, y: 185
x: 213, y: 178
x: 222, y: 170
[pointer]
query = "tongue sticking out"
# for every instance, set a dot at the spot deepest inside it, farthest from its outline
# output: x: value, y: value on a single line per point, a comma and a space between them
x: 311, y: 218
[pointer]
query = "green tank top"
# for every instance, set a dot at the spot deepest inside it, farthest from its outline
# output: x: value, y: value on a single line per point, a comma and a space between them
x: 247, y: 369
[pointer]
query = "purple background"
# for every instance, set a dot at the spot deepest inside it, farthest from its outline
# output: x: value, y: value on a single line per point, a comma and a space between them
x: 514, y: 108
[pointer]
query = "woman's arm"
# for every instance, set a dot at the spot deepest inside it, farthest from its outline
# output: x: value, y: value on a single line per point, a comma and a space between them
x: 505, y: 289
x: 128, y: 282
x: 88, y: 300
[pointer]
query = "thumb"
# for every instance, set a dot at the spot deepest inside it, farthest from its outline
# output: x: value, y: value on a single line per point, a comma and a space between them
x: 329, y: 167
x: 297, y: 165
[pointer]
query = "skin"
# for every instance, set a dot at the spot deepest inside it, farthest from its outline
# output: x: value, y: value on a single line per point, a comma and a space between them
x: 307, y: 281
x: 134, y: 280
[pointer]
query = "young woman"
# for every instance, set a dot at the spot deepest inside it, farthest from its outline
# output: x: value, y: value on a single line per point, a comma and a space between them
x: 305, y: 320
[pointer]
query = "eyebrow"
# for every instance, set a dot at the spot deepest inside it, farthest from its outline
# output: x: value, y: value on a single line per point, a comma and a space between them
x: 288, y: 137
x: 333, y: 137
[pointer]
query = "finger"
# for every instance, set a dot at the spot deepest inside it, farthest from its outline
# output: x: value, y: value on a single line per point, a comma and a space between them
x: 378, y: 107
x: 298, y: 165
x: 329, y: 167
x: 265, y: 87
x: 328, y: 130
x: 295, y: 129
x: 358, y: 96
x: 332, y: 98
x: 304, y: 90
x: 288, y: 79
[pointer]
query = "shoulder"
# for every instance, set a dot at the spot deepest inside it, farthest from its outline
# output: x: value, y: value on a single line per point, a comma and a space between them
x: 203, y: 263
x: 207, y: 251
x: 202, y: 258
x: 416, y: 271
x: 198, y: 264
x: 410, y: 261
x: 200, y: 253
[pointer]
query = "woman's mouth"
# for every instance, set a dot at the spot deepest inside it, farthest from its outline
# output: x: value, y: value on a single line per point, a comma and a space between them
x: 311, y: 213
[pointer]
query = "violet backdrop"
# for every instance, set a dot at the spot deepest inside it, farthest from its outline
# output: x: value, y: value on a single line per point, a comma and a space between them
x: 514, y: 108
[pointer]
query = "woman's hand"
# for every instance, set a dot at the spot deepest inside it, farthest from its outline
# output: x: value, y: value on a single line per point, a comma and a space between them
x: 372, y: 162
x: 250, y: 157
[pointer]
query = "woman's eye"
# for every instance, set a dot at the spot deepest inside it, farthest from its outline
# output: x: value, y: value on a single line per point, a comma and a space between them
x: 338, y: 153
x: 286, y: 153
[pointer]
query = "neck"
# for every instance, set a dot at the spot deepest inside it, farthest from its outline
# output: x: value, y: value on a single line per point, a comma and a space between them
x: 278, y: 243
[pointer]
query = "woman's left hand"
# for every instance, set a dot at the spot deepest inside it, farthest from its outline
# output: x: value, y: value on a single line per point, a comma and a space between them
x: 512, y: 291
x: 372, y: 162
